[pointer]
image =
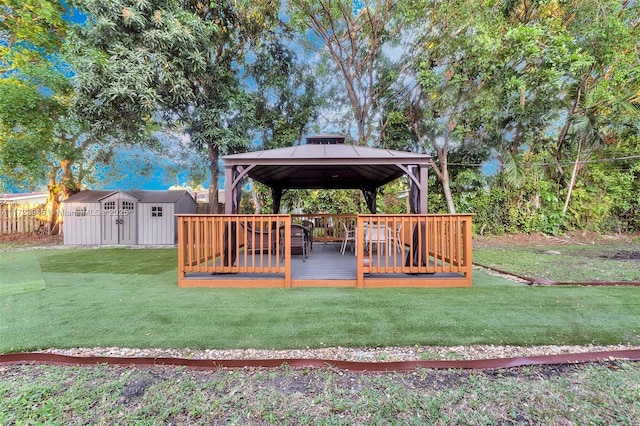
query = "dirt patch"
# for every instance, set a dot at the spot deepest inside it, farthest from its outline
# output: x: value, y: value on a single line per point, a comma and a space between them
x: 633, y: 255
x: 30, y: 239
x: 542, y: 240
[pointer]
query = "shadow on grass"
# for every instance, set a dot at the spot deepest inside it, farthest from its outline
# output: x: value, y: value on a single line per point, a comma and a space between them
x: 110, y: 261
x: 20, y: 273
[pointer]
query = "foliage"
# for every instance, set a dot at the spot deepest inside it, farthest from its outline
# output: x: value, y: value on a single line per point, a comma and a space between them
x: 356, y: 37
x: 391, y: 199
x: 175, y: 64
x: 552, y: 88
x: 596, y: 393
x: 42, y: 139
x: 285, y: 94
x: 33, y: 90
x: 339, y: 201
x: 547, y: 91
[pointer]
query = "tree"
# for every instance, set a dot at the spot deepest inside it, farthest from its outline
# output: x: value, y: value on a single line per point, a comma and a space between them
x: 172, y: 63
x: 40, y: 139
x: 285, y: 94
x: 449, y: 107
x: 355, y: 36
x: 286, y: 98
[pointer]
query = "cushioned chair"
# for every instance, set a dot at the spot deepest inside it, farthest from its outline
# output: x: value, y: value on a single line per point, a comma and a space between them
x: 257, y: 238
x: 298, y: 241
x: 308, y: 225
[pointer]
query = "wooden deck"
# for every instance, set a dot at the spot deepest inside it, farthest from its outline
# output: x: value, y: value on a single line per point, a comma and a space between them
x: 442, y: 253
x: 325, y: 266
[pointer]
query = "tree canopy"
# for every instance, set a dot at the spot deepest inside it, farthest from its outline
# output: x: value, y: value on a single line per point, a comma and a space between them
x: 547, y: 93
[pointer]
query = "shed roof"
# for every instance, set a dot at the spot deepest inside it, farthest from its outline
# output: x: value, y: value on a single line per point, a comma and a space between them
x: 91, y: 196
x: 326, y: 165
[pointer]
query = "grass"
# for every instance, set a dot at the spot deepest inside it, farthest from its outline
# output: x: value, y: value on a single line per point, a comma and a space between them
x: 571, y: 394
x: 20, y: 276
x: 129, y: 298
x: 568, y: 263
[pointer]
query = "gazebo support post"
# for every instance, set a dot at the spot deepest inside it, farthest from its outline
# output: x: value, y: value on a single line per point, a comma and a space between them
x: 276, y: 198
x: 228, y: 193
x: 424, y: 189
x: 370, y: 196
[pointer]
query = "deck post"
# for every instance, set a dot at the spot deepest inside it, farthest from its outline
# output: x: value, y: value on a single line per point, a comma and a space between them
x: 228, y: 192
x: 467, y: 250
x: 424, y: 191
x: 359, y: 253
x: 181, y: 247
x: 287, y: 252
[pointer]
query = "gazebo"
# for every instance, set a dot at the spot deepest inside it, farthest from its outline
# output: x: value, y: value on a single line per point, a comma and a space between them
x: 240, y: 250
x: 326, y: 162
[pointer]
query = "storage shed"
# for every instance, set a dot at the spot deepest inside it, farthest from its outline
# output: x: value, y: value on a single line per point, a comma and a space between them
x: 124, y: 217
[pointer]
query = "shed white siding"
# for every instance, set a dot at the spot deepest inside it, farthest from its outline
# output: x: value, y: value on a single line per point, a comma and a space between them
x: 82, y: 223
x: 184, y: 205
x: 125, y: 217
x: 156, y: 226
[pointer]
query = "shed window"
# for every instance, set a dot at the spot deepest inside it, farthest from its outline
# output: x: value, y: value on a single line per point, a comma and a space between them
x: 81, y: 211
x: 156, y: 211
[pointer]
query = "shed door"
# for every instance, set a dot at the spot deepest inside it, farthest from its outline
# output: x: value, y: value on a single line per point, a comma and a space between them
x: 127, y: 227
x: 119, y: 222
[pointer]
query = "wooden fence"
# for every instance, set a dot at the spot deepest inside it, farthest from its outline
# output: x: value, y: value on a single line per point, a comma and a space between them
x: 20, y: 218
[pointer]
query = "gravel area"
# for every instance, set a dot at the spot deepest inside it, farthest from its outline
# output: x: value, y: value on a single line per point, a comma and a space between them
x: 411, y: 353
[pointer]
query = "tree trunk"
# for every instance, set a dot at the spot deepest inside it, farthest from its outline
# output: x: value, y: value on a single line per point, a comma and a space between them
x: 255, y: 198
x: 442, y: 172
x: 447, y: 190
x: 57, y: 192
x: 564, y: 131
x: 572, y: 182
x: 214, y: 178
x: 53, y: 203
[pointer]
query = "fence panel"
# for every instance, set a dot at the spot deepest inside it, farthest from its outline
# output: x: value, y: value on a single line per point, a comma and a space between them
x: 20, y: 218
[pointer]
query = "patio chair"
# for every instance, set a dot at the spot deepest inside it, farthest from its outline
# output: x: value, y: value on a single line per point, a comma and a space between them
x: 349, y: 236
x: 298, y: 241
x: 395, y: 237
x: 308, y: 225
x: 257, y: 238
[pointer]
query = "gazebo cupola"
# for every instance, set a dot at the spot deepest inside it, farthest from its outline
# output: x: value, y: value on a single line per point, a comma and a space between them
x: 325, y: 139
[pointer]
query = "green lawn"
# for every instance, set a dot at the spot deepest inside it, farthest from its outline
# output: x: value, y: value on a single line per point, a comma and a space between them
x: 129, y: 297
x: 594, y: 394
x: 567, y: 263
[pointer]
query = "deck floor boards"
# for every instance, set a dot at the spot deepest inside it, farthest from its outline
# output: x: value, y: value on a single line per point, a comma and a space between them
x: 324, y: 262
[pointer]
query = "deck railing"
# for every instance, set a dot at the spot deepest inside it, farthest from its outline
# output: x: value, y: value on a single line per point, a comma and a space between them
x: 425, y: 249
x: 414, y: 244
x: 327, y: 228
x: 225, y: 244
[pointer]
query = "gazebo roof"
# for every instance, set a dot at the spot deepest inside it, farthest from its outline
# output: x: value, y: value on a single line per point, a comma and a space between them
x: 325, y: 162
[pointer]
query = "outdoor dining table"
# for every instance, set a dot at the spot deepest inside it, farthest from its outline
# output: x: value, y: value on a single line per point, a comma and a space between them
x: 376, y: 233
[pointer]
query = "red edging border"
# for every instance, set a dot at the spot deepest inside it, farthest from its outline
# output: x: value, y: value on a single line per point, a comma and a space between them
x: 543, y: 281
x: 376, y: 367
